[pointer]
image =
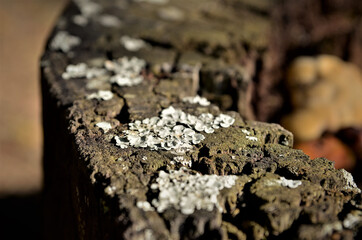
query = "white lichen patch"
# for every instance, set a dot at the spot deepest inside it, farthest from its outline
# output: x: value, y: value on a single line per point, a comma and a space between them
x: 64, y: 41
x: 132, y: 44
x: 110, y: 190
x: 88, y: 8
x: 171, y: 14
x: 75, y: 71
x: 81, y: 70
x: 91, y: 11
x: 285, y: 142
x: 328, y: 228
x: 108, y: 20
x: 353, y: 219
x: 251, y: 138
x: 187, y: 193
x: 127, y: 71
x: 245, y: 131
x: 173, y: 130
x: 153, y: 1
x: 288, y: 182
x: 80, y: 20
x: 184, y: 161
x: 350, y: 184
x: 123, y: 71
x: 282, y: 181
x: 101, y: 95
x: 145, y: 206
x: 197, y: 100
x: 105, y: 126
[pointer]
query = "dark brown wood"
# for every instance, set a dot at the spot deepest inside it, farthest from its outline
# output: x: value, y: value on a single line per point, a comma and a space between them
x: 223, y: 50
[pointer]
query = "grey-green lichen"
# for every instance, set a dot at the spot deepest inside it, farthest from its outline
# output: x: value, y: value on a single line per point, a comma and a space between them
x: 91, y: 10
x: 145, y: 206
x: 174, y: 130
x: 125, y: 72
x: 282, y: 181
x: 183, y: 160
x: 82, y: 70
x: 132, y: 44
x: 101, y: 95
x: 88, y: 8
x: 108, y: 20
x: 197, y: 100
x: 152, y: 1
x: 183, y: 191
x: 353, y: 219
x: 350, y: 184
x: 105, y: 126
x: 64, y: 41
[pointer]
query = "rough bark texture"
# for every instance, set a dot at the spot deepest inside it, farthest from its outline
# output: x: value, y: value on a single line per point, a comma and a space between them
x: 220, y: 49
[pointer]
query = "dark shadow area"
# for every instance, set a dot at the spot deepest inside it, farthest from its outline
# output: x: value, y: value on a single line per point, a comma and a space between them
x: 20, y: 217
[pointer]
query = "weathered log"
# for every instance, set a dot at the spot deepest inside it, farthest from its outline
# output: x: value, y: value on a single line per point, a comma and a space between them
x: 128, y: 153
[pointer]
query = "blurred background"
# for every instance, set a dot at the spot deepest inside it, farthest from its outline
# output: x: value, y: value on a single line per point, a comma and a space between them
x: 24, y: 27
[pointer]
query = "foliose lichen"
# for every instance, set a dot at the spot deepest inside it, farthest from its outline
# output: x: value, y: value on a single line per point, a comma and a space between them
x: 127, y: 72
x: 110, y: 190
x: 88, y: 8
x: 354, y: 218
x: 101, y: 95
x: 181, y: 190
x: 132, y: 44
x: 64, y: 41
x: 108, y: 20
x: 247, y: 133
x: 184, y: 161
x: 92, y: 11
x: 197, y: 100
x: 105, y: 126
x: 123, y: 71
x: 251, y: 138
x: 145, y: 206
x: 80, y: 20
x: 82, y: 70
x: 350, y: 184
x: 153, y: 1
x: 173, y: 130
x: 282, y: 181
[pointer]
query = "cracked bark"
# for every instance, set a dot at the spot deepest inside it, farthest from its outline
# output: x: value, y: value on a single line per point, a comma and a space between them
x: 222, y: 50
